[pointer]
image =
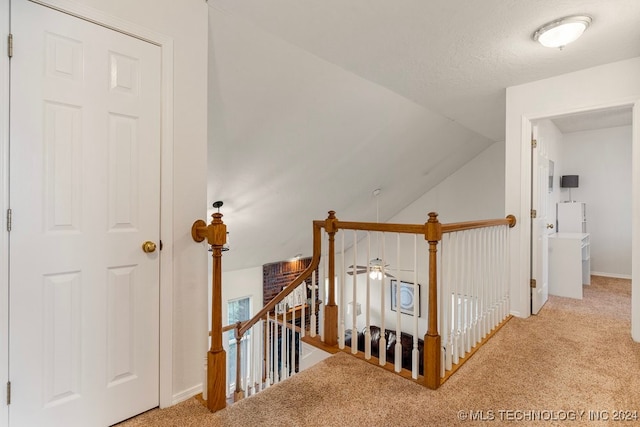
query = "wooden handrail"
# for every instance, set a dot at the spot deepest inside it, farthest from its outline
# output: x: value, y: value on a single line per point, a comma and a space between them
x: 383, y: 227
x: 315, y: 261
x: 510, y: 220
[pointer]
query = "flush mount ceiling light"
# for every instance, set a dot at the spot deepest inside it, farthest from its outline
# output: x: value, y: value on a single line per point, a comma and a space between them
x: 563, y: 31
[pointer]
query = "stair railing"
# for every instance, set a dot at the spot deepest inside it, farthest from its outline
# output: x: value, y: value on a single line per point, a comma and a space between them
x: 271, y: 324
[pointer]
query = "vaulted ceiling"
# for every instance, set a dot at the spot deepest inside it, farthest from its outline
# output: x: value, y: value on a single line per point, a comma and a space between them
x: 314, y: 104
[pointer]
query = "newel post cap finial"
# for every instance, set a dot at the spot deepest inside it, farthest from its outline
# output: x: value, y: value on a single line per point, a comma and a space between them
x: 433, y: 228
x: 330, y: 223
x: 216, y: 218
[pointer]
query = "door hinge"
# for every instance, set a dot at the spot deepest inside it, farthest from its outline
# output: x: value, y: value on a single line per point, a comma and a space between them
x: 533, y: 283
x: 9, y: 219
x: 8, y: 392
x: 534, y: 143
x: 10, y: 45
x: 534, y: 213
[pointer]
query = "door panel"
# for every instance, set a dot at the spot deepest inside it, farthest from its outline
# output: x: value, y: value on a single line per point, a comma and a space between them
x: 84, y: 191
x: 539, y: 225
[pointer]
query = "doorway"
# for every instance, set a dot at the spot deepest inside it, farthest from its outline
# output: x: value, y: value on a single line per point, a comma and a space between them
x: 594, y: 146
x: 610, y: 85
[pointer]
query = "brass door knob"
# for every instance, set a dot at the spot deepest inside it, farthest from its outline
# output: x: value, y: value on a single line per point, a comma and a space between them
x: 148, y: 247
x: 549, y: 225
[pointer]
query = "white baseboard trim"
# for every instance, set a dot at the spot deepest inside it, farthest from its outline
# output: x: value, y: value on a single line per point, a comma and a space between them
x: 516, y: 313
x: 186, y: 394
x: 614, y: 275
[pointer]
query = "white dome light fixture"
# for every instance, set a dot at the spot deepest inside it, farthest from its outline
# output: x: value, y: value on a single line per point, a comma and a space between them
x: 563, y: 31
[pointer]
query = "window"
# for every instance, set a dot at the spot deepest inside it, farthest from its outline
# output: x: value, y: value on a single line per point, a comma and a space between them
x: 238, y: 310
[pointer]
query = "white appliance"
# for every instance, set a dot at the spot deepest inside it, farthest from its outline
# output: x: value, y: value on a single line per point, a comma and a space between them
x: 571, y: 217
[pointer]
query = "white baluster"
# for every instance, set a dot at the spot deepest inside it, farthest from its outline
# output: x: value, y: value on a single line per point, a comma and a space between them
x: 486, y: 303
x: 473, y: 279
x: 382, y: 343
x: 398, y: 346
x: 323, y: 287
x: 498, y: 262
x: 342, y: 303
x: 446, y: 278
x: 312, y: 318
x: 284, y: 359
x: 267, y: 363
x: 367, y: 331
x: 303, y: 314
x: 456, y: 305
x: 507, y: 252
x: 475, y: 291
x: 415, y: 354
x: 466, y: 286
x: 292, y: 344
x: 268, y: 366
x: 277, y: 354
x: 354, y: 298
x: 494, y: 288
x: 504, y: 270
x: 260, y: 362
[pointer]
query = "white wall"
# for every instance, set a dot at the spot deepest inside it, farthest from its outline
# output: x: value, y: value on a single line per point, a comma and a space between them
x: 595, y: 88
x: 185, y: 23
x: 475, y: 191
x: 602, y: 159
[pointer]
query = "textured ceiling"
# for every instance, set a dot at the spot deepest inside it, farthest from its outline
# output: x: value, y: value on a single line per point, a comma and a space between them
x: 595, y: 119
x: 455, y: 57
x: 314, y: 104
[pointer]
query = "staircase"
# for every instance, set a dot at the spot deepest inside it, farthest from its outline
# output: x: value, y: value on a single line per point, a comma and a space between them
x: 383, y: 292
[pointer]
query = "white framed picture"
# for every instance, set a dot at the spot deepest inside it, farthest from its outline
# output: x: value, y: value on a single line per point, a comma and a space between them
x: 409, y: 297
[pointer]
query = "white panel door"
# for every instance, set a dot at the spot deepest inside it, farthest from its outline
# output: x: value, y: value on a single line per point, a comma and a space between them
x: 540, y: 227
x: 84, y: 193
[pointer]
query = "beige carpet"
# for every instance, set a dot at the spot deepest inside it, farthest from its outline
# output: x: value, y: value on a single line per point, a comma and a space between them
x: 576, y: 356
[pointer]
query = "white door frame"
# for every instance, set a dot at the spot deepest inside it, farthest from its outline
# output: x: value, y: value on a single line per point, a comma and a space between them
x: 4, y: 202
x: 527, y: 124
x: 606, y: 86
x: 166, y: 186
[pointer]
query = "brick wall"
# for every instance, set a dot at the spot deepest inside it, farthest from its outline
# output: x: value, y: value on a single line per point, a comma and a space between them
x: 277, y: 275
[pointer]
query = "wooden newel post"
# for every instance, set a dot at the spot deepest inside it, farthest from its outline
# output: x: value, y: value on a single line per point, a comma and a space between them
x: 216, y: 235
x: 330, y: 308
x: 432, y: 338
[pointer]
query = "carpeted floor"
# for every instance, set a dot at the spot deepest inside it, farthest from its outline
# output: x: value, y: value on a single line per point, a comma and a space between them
x: 573, y: 363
